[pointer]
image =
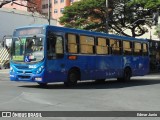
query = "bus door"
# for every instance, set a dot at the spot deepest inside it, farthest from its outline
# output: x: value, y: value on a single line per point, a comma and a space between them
x: 138, y: 59
x: 109, y: 59
x: 87, y: 58
x: 142, y: 60
x: 90, y: 65
x: 102, y: 66
x: 146, y: 58
x: 55, y: 57
x: 108, y: 66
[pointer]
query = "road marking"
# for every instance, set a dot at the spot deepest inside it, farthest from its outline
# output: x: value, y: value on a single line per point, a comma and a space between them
x: 4, y: 71
x: 146, y: 77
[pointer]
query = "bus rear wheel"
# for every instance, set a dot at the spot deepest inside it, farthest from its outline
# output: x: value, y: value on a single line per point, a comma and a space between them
x: 72, y: 78
x: 126, y: 75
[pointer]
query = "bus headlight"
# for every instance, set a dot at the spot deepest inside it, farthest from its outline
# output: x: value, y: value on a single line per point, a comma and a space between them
x: 40, y: 69
x: 11, y: 69
x: 38, y: 79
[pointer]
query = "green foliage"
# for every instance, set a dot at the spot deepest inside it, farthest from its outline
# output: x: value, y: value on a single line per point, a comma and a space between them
x: 148, y: 4
x: 92, y: 14
x: 80, y: 14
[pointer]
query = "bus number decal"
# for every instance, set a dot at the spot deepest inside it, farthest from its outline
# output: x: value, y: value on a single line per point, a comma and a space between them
x: 32, y: 66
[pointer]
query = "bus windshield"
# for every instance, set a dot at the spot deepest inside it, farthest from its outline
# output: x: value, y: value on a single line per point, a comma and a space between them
x: 27, y: 49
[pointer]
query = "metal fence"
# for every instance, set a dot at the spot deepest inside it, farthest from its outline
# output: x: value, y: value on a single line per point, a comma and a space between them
x: 4, y: 57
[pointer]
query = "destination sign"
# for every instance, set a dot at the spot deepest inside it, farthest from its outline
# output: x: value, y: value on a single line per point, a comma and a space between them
x: 28, y: 31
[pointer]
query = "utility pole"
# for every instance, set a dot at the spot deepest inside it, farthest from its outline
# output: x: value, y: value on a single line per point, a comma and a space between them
x: 49, y: 12
x: 107, y: 16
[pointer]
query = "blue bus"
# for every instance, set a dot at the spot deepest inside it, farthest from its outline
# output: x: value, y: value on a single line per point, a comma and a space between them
x: 46, y: 54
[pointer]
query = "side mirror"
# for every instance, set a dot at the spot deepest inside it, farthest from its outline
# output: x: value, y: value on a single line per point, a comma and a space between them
x: 3, y: 44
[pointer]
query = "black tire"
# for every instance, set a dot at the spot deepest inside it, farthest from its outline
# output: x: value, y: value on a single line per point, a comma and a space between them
x: 42, y: 85
x: 72, y: 79
x: 100, y: 80
x: 126, y: 75
x: 120, y: 79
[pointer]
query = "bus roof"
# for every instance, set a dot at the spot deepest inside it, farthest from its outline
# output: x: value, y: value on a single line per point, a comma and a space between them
x: 86, y: 32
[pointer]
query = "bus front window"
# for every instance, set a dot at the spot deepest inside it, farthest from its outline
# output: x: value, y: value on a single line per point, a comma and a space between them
x: 27, y: 49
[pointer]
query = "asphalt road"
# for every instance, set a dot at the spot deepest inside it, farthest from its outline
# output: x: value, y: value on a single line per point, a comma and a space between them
x: 140, y: 94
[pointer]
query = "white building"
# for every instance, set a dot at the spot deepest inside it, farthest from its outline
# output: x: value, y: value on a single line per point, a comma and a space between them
x: 11, y: 19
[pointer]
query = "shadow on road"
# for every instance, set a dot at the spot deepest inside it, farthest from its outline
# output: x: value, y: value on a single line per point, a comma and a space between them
x: 98, y: 85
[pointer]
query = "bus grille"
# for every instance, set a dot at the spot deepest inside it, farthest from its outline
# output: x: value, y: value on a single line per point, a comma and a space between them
x: 26, y: 72
x: 22, y: 67
x: 24, y: 77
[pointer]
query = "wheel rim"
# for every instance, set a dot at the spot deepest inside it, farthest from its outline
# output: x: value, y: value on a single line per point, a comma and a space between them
x: 72, y: 78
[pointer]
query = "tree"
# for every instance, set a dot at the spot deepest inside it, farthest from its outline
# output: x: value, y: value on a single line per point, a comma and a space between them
x: 148, y: 4
x: 4, y: 2
x: 85, y: 14
x: 123, y: 14
x: 152, y: 5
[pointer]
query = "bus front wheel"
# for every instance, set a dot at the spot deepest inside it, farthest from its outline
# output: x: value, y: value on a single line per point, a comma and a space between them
x: 72, y: 78
x: 126, y: 75
x: 100, y: 80
x: 42, y: 85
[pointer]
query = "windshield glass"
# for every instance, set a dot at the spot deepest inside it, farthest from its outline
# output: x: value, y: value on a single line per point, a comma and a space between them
x: 27, y: 49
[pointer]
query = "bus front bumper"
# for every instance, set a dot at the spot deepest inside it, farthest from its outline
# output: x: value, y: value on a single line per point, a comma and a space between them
x: 27, y: 77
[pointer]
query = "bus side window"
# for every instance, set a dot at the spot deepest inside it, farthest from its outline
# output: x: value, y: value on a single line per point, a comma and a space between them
x: 72, y: 46
x: 145, y: 49
x: 137, y: 48
x: 86, y: 44
x: 59, y: 45
x: 54, y: 46
x: 102, y: 47
x: 115, y: 46
x: 51, y: 45
x: 127, y: 48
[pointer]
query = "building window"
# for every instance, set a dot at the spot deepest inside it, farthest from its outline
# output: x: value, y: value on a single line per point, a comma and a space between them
x: 55, y: 11
x: 72, y: 1
x: 50, y: 5
x: 62, y: 1
x: 62, y: 9
x: 55, y: 1
x: 44, y: 6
